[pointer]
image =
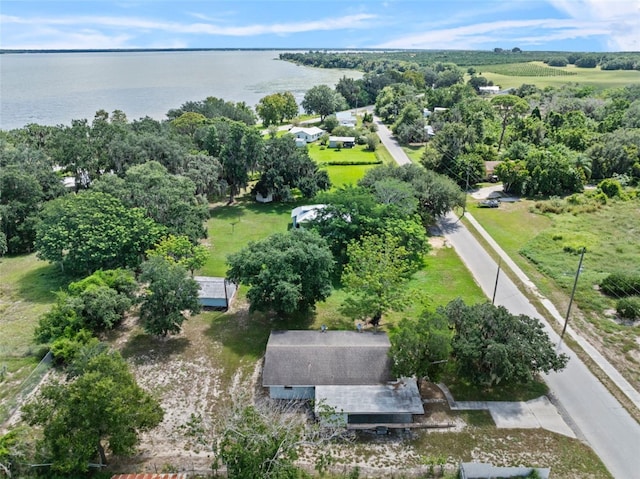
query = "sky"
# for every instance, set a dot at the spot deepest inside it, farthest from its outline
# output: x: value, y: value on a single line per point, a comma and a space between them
x: 550, y: 25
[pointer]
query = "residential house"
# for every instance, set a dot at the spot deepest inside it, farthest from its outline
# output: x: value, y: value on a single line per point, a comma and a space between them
x: 215, y: 292
x: 305, y: 213
x: 347, y: 371
x: 346, y: 118
x: 309, y: 134
x: 491, y: 90
x: 344, y: 141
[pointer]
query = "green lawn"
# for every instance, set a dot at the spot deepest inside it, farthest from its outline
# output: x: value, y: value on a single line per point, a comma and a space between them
x: 357, y: 154
x: 230, y: 228
x: 26, y: 292
x: 600, y: 79
x: 512, y: 225
x: 341, y: 175
x: 414, y: 153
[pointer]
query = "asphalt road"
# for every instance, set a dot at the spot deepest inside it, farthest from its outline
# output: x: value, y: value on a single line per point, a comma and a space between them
x: 597, y: 417
x: 392, y: 145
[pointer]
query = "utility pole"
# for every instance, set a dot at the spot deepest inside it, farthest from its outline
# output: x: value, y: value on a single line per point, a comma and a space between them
x: 495, y: 287
x: 573, y: 292
x: 466, y: 190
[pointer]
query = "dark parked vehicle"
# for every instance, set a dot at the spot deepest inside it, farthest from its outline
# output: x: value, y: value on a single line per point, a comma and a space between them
x: 489, y: 204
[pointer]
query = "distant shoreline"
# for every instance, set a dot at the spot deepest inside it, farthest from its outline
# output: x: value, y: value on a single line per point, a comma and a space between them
x: 172, y: 50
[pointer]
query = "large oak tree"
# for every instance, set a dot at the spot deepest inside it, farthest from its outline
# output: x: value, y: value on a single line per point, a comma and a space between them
x: 286, y: 272
x: 91, y: 231
x: 491, y: 345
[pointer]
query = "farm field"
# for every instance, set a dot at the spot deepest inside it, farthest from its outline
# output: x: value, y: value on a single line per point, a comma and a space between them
x: 547, y: 248
x: 511, y: 75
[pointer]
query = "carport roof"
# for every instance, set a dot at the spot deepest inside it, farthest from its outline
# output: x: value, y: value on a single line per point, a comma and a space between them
x: 398, y: 397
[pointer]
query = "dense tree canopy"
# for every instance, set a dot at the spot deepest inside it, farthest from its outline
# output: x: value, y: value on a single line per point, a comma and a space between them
x: 212, y: 107
x: 285, y: 167
x: 286, y: 272
x: 436, y: 194
x: 377, y: 270
x: 101, y: 409
x: 491, y: 345
x: 168, y: 294
x: 420, y: 346
x: 91, y: 231
x: 323, y: 100
x: 277, y: 107
x: 240, y: 152
x: 167, y: 199
x: 180, y: 250
x: 20, y: 199
x: 97, y: 303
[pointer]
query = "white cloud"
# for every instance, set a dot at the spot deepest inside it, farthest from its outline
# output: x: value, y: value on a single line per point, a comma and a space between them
x: 341, y: 22
x: 116, y: 31
x: 470, y: 36
x: 619, y: 18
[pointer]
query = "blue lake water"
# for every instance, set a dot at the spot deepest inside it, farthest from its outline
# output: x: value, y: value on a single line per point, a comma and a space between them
x: 54, y: 88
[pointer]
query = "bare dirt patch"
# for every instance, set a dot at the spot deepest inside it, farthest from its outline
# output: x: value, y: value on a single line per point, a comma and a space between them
x: 438, y: 242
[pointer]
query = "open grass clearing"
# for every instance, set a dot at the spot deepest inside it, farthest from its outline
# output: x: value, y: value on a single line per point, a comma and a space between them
x: 414, y: 152
x: 27, y: 290
x: 357, y: 155
x: 599, y: 79
x: 551, y: 245
x: 342, y: 175
x: 231, y: 227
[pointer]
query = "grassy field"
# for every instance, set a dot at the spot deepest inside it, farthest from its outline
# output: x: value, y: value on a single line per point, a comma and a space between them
x: 232, y: 227
x: 600, y: 79
x: 414, y: 153
x: 547, y: 248
x: 357, y: 154
x: 26, y: 291
x: 346, y: 175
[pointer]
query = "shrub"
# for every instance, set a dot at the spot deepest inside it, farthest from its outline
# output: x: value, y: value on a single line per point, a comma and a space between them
x: 629, y: 308
x: 621, y: 284
x: 601, y: 198
x: 557, y: 62
x: 611, y: 188
x: 573, y: 248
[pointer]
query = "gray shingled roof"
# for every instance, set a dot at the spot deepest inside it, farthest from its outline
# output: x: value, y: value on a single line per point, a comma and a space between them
x: 310, y: 358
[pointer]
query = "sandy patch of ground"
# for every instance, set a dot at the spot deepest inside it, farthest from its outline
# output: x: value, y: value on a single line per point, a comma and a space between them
x: 438, y: 242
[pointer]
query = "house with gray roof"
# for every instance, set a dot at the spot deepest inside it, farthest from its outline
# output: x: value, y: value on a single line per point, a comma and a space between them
x: 349, y: 371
